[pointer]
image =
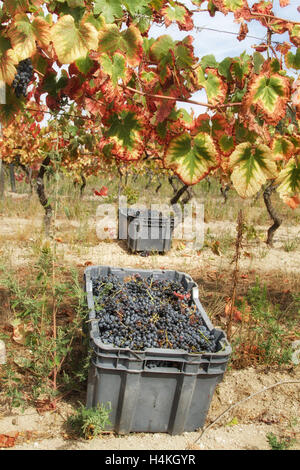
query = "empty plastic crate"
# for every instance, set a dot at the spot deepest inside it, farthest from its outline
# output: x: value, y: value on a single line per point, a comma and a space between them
x: 145, y: 398
x: 146, y: 230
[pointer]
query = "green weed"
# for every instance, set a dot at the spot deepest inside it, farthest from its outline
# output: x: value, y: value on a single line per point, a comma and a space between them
x: 40, y: 354
x: 264, y: 336
x: 279, y: 444
x: 89, y: 422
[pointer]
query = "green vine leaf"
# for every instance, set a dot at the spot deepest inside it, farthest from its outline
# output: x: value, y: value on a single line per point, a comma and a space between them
x: 114, y: 67
x: 110, y: 9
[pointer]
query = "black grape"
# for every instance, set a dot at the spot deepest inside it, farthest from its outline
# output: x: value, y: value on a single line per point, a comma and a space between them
x: 23, y: 77
x: 140, y: 313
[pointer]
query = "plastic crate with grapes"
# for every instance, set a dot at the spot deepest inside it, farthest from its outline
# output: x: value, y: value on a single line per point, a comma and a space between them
x: 156, y: 357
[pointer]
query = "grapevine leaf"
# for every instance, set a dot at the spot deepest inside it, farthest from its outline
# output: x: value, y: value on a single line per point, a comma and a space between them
x: 258, y: 60
x: 84, y: 64
x: 269, y: 93
x: 110, y: 9
x: 148, y: 78
x: 240, y: 68
x: 128, y: 42
x: 136, y: 7
x: 124, y: 126
x: 180, y: 14
x: 164, y: 108
x: 209, y: 61
x: 98, y: 22
x: 226, y: 6
x: 8, y: 61
x: 75, y: 3
x: 226, y: 144
x: 294, y: 32
x: 224, y: 68
x: 282, y: 148
x: 72, y: 42
x: 296, y: 94
x: 184, y: 54
x: 292, y: 61
x: 202, y: 124
x: 24, y: 34
x: 243, y: 32
x: 161, y: 47
x: 252, y: 166
x: 191, y: 158
x: 289, y: 180
x: 114, y: 67
x: 215, y: 86
x: 11, y: 107
x: 64, y: 9
x: 19, y: 6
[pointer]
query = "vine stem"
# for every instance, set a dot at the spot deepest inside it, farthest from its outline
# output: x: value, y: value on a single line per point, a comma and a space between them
x: 274, y: 17
x: 283, y: 382
x: 55, y: 369
x: 272, y: 213
x: 235, y: 276
x: 163, y: 97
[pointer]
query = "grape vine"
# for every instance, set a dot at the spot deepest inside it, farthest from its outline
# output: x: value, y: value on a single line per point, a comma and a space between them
x: 98, y: 62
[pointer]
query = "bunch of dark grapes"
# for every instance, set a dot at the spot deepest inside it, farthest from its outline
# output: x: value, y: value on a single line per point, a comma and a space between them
x: 23, y: 77
x: 140, y: 313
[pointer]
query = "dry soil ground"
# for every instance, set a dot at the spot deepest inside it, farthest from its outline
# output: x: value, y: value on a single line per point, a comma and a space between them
x: 247, y: 425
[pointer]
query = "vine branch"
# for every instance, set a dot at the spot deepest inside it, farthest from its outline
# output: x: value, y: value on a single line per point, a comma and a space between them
x: 164, y: 97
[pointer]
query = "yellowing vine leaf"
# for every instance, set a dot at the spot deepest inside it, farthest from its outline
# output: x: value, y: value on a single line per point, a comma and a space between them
x: 226, y: 6
x: 282, y: 148
x: 24, y: 34
x: 294, y: 31
x: 19, y: 6
x: 191, y: 158
x: 71, y: 42
x: 289, y: 180
x: 129, y: 42
x: 252, y: 166
x: 179, y: 14
x: 214, y: 84
x: 269, y: 93
x: 8, y: 60
x: 9, y: 110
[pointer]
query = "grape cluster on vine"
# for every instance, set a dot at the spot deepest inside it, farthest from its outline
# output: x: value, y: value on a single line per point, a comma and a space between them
x: 23, y: 77
x: 140, y: 313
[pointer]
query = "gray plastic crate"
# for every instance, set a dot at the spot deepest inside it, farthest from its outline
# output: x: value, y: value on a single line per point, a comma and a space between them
x: 145, y: 230
x: 144, y: 398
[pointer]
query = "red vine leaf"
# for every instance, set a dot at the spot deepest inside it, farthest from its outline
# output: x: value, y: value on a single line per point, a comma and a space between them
x: 243, y: 32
